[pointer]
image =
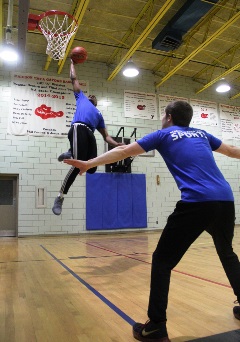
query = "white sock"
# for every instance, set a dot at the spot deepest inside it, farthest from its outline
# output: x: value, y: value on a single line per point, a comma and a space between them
x: 60, y: 195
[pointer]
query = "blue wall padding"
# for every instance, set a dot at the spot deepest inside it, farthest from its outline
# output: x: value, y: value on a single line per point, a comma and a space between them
x: 115, y: 201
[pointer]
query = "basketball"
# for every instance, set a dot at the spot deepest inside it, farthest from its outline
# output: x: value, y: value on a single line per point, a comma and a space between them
x: 78, y: 55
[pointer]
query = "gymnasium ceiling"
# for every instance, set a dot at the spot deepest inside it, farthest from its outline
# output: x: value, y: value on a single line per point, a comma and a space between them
x: 113, y: 31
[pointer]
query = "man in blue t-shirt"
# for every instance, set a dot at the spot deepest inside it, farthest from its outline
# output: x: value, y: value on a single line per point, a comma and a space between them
x: 207, y: 204
x: 87, y: 118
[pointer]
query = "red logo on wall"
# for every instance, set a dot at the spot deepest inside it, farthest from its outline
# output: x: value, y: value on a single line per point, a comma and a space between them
x: 45, y: 112
x: 141, y: 107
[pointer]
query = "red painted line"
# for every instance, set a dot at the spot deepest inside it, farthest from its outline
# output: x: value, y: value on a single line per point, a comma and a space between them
x: 203, y: 279
x: 146, y: 262
x: 119, y: 254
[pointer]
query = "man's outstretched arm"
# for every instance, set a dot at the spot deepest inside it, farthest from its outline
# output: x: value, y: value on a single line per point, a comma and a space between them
x: 112, y: 156
x: 229, y: 150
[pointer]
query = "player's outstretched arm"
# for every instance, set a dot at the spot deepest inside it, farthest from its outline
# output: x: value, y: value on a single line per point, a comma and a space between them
x: 229, y: 150
x: 73, y: 78
x: 108, y: 138
x: 112, y: 156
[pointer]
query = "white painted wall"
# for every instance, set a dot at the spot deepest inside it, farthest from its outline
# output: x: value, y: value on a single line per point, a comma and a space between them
x: 34, y: 159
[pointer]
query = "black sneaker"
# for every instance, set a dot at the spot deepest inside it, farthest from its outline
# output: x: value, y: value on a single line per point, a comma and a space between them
x: 65, y: 155
x: 150, y: 332
x: 57, y: 207
x: 236, y: 311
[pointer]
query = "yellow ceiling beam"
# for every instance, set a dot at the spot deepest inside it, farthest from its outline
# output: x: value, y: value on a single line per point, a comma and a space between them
x: 219, y: 77
x: 235, y: 96
x: 79, y: 17
x: 141, y: 38
x: 49, y: 59
x: 214, y: 64
x: 131, y: 30
x: 189, y: 36
x: 200, y: 48
x: 219, y: 5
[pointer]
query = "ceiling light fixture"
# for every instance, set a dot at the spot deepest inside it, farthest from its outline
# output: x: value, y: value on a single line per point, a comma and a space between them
x: 8, y: 52
x: 222, y: 86
x: 130, y: 69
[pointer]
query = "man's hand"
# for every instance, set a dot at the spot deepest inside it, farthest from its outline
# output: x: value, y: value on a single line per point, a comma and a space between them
x: 118, y: 153
x: 79, y: 164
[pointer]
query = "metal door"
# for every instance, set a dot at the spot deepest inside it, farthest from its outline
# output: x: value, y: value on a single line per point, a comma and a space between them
x: 8, y: 205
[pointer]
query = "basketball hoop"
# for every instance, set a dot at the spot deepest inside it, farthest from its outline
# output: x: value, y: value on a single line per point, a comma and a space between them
x: 57, y: 27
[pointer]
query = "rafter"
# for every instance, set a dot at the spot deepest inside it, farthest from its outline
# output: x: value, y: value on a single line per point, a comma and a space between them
x: 130, y: 31
x: 142, y: 37
x: 226, y: 54
x: 200, y: 48
x: 204, y: 21
x: 235, y: 67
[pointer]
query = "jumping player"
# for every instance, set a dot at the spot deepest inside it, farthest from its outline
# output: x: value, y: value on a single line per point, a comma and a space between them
x: 83, y: 145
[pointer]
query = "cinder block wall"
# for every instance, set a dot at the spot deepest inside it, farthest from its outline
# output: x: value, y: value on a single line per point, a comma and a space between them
x: 34, y: 159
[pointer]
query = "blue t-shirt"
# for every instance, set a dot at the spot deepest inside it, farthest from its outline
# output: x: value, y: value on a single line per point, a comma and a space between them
x: 87, y: 113
x: 188, y: 155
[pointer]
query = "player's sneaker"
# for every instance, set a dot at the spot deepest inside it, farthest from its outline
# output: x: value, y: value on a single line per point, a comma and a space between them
x: 65, y: 155
x: 150, y: 332
x: 57, y: 207
x: 236, y: 311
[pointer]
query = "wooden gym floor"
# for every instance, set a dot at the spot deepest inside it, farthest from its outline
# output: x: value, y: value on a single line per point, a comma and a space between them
x: 93, y: 287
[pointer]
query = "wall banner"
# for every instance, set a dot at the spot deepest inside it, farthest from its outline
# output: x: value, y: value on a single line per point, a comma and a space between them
x: 204, y: 113
x: 41, y: 105
x: 230, y: 121
x: 140, y: 105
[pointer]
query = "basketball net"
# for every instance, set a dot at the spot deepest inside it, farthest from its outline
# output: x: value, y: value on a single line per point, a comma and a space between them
x: 58, y: 28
